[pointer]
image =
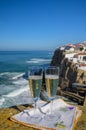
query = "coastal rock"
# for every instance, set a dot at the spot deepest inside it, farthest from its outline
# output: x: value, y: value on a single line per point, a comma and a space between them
x: 69, y: 73
x: 57, y: 57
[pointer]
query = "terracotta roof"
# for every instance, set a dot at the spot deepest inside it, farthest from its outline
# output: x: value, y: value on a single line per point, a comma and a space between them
x: 78, y: 45
x: 71, y: 45
x: 83, y: 53
x: 82, y: 64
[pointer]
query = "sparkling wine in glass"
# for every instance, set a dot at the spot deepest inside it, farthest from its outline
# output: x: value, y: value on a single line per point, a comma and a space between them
x: 52, y: 80
x: 35, y: 83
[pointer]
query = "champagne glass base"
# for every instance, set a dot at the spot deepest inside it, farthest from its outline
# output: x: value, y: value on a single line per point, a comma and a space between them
x: 52, y: 117
x: 35, y: 119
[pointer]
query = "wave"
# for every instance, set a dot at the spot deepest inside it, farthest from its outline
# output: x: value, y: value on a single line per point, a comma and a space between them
x: 23, y: 98
x: 11, y: 75
x: 20, y: 82
x: 38, y: 60
x: 2, y: 101
x: 18, y: 76
x: 17, y: 92
x: 4, y: 73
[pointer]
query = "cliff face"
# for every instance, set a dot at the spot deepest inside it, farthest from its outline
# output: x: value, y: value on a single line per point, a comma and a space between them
x: 69, y: 73
x: 57, y: 58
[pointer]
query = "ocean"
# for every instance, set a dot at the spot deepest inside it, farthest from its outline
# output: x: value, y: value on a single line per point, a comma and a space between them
x: 14, y: 88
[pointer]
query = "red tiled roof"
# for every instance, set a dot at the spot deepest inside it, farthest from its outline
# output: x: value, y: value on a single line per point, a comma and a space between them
x: 82, y: 64
x: 83, y: 53
x: 71, y: 45
x: 78, y: 45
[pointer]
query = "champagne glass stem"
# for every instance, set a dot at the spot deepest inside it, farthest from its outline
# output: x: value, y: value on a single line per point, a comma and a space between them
x: 51, y: 106
x: 35, y: 105
x: 34, y: 110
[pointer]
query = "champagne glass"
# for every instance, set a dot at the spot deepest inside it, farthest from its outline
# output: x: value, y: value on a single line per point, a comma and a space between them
x: 35, y: 83
x: 52, y: 80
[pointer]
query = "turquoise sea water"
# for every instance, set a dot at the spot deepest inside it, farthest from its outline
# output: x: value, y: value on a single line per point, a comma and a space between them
x: 14, y: 89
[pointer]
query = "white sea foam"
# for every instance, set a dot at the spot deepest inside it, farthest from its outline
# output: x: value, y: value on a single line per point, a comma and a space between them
x: 21, y: 82
x: 4, y: 73
x: 12, y: 75
x: 2, y: 101
x: 1, y: 74
x: 18, y: 76
x: 17, y: 92
x: 38, y: 60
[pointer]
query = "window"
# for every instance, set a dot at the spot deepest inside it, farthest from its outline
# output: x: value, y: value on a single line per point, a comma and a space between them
x: 84, y: 58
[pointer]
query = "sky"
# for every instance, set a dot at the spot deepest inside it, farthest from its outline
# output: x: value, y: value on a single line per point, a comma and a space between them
x: 41, y: 24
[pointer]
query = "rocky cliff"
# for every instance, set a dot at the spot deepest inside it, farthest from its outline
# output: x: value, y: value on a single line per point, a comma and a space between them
x: 57, y: 57
x: 69, y: 73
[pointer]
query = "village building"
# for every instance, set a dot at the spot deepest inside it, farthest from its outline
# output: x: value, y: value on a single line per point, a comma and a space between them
x: 62, y: 48
x: 80, y: 47
x: 82, y: 67
x: 81, y: 57
x: 70, y: 56
x: 69, y: 49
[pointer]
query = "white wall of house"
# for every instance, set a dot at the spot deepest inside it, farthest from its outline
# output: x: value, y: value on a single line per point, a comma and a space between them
x: 80, y: 58
x: 70, y: 56
x: 84, y: 48
x: 82, y: 68
x: 75, y: 60
x: 71, y: 49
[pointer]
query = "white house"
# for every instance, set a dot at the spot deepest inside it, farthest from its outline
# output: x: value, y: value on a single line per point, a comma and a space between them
x: 78, y: 46
x: 82, y: 67
x: 84, y: 48
x: 81, y: 57
x: 62, y: 48
x: 70, y: 55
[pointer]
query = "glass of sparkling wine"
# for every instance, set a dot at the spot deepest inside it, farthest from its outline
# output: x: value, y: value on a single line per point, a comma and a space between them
x: 35, y: 83
x: 52, y: 80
